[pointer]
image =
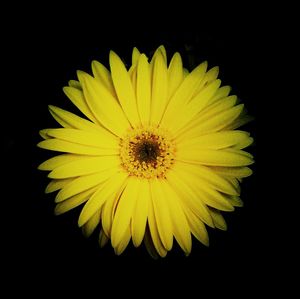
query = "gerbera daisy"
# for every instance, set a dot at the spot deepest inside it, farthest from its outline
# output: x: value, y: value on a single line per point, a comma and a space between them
x: 156, y: 156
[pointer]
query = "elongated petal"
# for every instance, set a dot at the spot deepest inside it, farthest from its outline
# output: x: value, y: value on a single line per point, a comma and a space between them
x: 55, y: 185
x: 181, y: 228
x: 195, y: 106
x: 102, y: 74
x: 197, y: 227
x: 103, y: 105
x: 235, y: 201
x: 70, y: 120
x: 219, y: 140
x: 159, y: 51
x: 183, y: 94
x: 75, y: 84
x: 238, y: 172
x: 83, y: 183
x: 221, y: 93
x: 205, y: 175
x: 189, y: 198
x: 205, y: 115
x: 103, y: 239
x: 84, y: 166
x: 150, y: 245
x: 214, y: 157
x: 121, y: 246
x: 77, y: 98
x: 153, y: 228
x: 74, y: 201
x: 140, y: 213
x: 108, y: 211
x: 57, y: 161
x: 143, y: 90
x: 43, y: 134
x: 91, y: 225
x: 215, y: 123
x: 205, y: 193
x: 124, y: 88
x: 135, y: 56
x: 101, y: 139
x: 162, y: 214
x: 75, y: 148
x: 209, y: 77
x: 159, y: 98
x: 124, y: 210
x: 175, y: 74
x: 218, y: 219
x: 109, y: 189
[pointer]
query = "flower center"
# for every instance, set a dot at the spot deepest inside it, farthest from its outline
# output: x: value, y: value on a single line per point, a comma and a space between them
x: 147, y: 152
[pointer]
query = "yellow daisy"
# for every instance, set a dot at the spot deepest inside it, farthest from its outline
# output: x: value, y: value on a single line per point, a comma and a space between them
x: 155, y: 158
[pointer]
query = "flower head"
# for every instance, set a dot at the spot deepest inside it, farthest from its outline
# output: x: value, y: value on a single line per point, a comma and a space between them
x: 156, y: 156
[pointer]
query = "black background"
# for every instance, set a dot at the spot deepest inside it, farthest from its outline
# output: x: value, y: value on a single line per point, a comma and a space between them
x: 50, y: 251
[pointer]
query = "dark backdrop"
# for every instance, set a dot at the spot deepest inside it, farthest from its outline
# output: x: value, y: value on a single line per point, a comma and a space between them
x: 50, y: 251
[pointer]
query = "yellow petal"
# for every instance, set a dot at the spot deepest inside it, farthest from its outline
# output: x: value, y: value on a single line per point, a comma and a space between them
x: 150, y: 246
x: 43, y: 134
x: 57, y: 161
x: 84, y: 166
x: 55, y: 185
x: 103, y: 105
x: 189, y: 198
x: 159, y: 98
x: 238, y: 172
x: 124, y: 88
x: 162, y: 214
x: 143, y: 89
x: 103, y: 239
x: 209, y: 77
x: 101, y: 139
x: 77, y: 98
x: 133, y: 77
x: 107, y: 190
x: 205, y: 175
x: 218, y: 219
x: 240, y: 121
x: 153, y: 228
x: 121, y: 246
x: 83, y: 183
x: 70, y: 120
x: 197, y: 226
x: 221, y: 93
x: 75, y: 148
x: 213, y: 124
x: 124, y: 210
x: 140, y: 213
x: 219, y: 140
x: 206, y: 193
x: 91, y: 225
x: 181, y: 228
x: 205, y: 115
x: 195, y: 106
x: 108, y: 211
x: 159, y: 51
x: 75, y: 84
x: 183, y: 94
x: 214, y: 157
x: 175, y: 74
x: 235, y: 201
x: 135, y: 56
x: 102, y: 74
x: 74, y: 201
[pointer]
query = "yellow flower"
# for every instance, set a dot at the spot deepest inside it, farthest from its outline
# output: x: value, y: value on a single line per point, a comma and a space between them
x: 157, y: 156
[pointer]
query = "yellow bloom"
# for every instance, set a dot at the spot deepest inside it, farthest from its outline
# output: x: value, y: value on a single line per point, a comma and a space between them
x: 157, y: 156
